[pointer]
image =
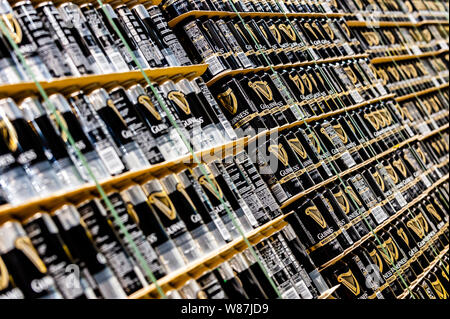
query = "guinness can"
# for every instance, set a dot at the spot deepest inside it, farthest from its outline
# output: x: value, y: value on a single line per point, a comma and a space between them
x: 120, y: 59
x: 249, y: 170
x: 60, y: 159
x: 23, y: 262
x: 71, y: 13
x: 239, y: 109
x: 204, y: 207
x: 76, y: 54
x: 150, y: 225
x: 131, y: 154
x: 44, y: 235
x: 137, y: 30
x: 8, y: 290
x: 166, y: 212
x: 97, y: 132
x: 15, y: 184
x: 108, y: 243
x: 25, y: 145
x: 189, y: 213
x: 351, y: 281
x: 92, y: 263
x: 82, y: 142
x: 246, y: 190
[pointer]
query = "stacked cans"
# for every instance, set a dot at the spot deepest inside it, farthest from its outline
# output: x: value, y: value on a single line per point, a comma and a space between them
x: 65, y: 39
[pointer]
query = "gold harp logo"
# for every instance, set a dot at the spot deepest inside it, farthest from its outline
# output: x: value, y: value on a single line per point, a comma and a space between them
x: 402, y: 234
x: 394, y: 73
x: 275, y: 33
x: 306, y: 79
x: 26, y: 247
x: 427, y: 35
x: 297, y: 147
x: 351, y: 74
x: 416, y: 227
x: 288, y: 30
x: 341, y: 133
x: 315, y: 142
x: 181, y: 189
x: 409, y: 6
x: 315, y: 26
x: 263, y: 32
x: 298, y: 83
x: 280, y: 153
x: 436, y: 147
x: 444, y: 273
x: 376, y: 259
x: 163, y: 203
x: 400, y: 166
x: 439, y: 288
x: 262, y: 88
x: 13, y: 27
x: 229, y: 101
x: 328, y: 30
x: 350, y: 282
x: 346, y: 29
x: 390, y: 170
x: 352, y: 194
x: 9, y: 134
x: 307, y: 26
x: 132, y: 213
x: 315, y: 214
x: 421, y: 155
x: 433, y: 211
x: 386, y: 115
x: 4, y: 275
x: 217, y: 192
x: 383, y: 75
x: 111, y: 105
x: 390, y: 36
x: 63, y: 121
x: 379, y: 180
x: 180, y: 100
x: 379, y: 118
x: 147, y: 103
x: 372, y: 120
x: 342, y: 201
x: 250, y: 30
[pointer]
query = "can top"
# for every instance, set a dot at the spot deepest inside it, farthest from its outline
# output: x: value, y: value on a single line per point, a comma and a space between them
x: 134, y: 91
x: 45, y: 3
x: 167, y: 87
x: 68, y: 216
x: 183, y: 176
x: 60, y: 102
x: 214, y: 168
x: 31, y: 108
x: 46, y: 218
x: 134, y: 195
x: 10, y: 109
x: 170, y: 183
x: 9, y: 232
x: 99, y: 98
x: 152, y: 186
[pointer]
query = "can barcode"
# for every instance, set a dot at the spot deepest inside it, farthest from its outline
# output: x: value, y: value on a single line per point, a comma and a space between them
x: 290, y: 294
x: 279, y: 193
x: 215, y: 67
x: 400, y: 199
x: 303, y: 290
x: 379, y: 214
x: 119, y: 63
x: 348, y: 159
x: 244, y: 60
x: 111, y: 160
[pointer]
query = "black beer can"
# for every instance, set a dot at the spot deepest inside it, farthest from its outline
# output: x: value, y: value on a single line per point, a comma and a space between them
x: 35, y: 30
x: 27, y: 269
x: 85, y: 254
x: 45, y: 237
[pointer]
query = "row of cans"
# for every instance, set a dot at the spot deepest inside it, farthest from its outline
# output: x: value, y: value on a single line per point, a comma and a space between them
x: 264, y: 100
x: 433, y: 105
x: 388, y: 41
x: 117, y: 129
x: 172, y: 221
x: 339, y: 215
x: 175, y: 8
x: 232, y: 43
x: 406, y: 77
x: 386, y: 268
x: 70, y: 40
